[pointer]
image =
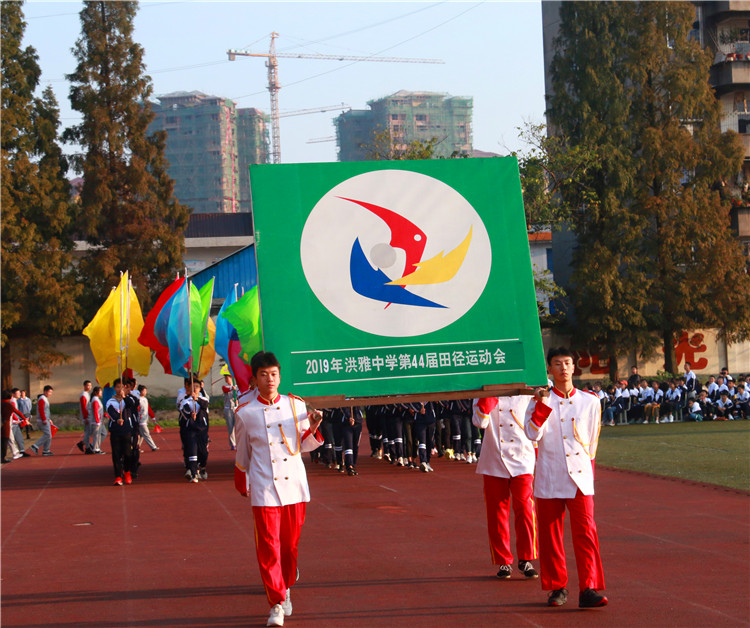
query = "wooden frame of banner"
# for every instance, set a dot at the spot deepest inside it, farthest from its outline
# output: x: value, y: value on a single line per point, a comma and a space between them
x: 340, y: 401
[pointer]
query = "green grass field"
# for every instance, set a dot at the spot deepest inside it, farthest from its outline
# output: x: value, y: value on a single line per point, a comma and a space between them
x: 714, y: 452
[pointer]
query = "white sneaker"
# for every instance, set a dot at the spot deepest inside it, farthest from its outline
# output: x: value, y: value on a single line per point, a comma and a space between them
x: 429, y: 468
x: 423, y: 467
x: 286, y: 605
x: 671, y: 418
x: 276, y: 617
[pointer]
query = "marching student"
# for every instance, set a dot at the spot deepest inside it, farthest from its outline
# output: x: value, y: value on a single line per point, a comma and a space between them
x: 194, y: 414
x: 84, y: 402
x: 351, y: 433
x: 374, y: 420
x: 272, y: 432
x: 565, y: 423
x: 507, y: 466
x: 17, y: 421
x: 45, y: 423
x: 229, y: 389
x: 11, y: 415
x: 24, y: 406
x: 97, y: 418
x: 132, y: 401
x: 144, y: 414
x: 424, y: 427
x: 121, y: 424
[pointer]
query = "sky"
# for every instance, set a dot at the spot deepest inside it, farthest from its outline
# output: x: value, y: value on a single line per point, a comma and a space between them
x: 492, y: 53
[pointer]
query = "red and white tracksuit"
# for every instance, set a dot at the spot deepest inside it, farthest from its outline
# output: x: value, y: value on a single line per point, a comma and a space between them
x: 567, y: 432
x: 271, y: 438
x: 83, y: 413
x: 95, y: 419
x: 45, y: 425
x: 507, y: 464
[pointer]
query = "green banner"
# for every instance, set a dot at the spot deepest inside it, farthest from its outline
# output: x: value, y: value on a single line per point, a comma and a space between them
x: 381, y: 278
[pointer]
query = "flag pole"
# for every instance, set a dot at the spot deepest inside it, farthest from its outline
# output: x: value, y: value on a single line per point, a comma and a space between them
x: 119, y: 322
x: 127, y: 321
x: 205, y: 328
x: 190, y: 331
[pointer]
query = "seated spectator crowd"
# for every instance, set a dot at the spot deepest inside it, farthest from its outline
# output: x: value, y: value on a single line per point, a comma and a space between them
x: 685, y: 398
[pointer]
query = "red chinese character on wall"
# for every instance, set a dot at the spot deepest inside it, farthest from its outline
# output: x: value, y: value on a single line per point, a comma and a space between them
x: 685, y: 349
x: 591, y: 361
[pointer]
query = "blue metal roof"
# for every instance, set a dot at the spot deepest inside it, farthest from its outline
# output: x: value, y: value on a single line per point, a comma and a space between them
x: 238, y: 268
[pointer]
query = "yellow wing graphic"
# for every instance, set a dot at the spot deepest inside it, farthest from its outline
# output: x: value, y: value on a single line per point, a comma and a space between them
x: 437, y: 269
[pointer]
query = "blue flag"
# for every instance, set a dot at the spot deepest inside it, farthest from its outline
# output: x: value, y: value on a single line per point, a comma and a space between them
x: 224, y: 330
x: 178, y: 332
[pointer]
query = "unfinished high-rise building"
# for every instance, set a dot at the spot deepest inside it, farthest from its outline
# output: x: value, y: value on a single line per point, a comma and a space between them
x: 210, y: 144
x: 402, y: 118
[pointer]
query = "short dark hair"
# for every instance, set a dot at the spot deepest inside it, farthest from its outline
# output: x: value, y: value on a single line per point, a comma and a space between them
x: 96, y: 390
x: 688, y: 364
x: 6, y: 394
x: 555, y: 352
x: 13, y: 391
x: 141, y: 388
x: 47, y: 388
x: 86, y: 381
x: 263, y: 360
x: 117, y: 381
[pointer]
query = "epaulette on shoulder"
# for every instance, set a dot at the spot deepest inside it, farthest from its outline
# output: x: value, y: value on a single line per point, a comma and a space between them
x: 591, y: 392
x: 291, y: 396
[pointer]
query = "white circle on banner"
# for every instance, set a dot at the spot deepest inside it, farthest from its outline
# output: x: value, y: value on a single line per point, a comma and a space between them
x: 363, y: 233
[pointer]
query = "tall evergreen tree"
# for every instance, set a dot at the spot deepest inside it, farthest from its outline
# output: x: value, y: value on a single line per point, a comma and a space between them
x: 589, y: 111
x: 129, y: 215
x: 699, y: 272
x: 655, y: 253
x: 39, y: 295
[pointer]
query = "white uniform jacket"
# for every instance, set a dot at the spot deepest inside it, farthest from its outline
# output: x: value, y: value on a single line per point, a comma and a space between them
x: 567, y: 439
x: 271, y: 439
x: 506, y: 451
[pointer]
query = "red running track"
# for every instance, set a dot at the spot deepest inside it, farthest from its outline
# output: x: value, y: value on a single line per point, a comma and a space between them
x: 391, y: 547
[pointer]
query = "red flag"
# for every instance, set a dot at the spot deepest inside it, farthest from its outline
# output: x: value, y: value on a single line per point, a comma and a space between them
x: 158, y: 429
x: 148, y: 337
x: 53, y: 429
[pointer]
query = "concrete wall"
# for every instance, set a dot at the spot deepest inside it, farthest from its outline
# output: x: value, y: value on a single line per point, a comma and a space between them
x: 707, y: 354
x: 702, y: 348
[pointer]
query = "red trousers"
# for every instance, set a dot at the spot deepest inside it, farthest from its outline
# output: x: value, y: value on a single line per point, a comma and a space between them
x: 277, y: 531
x: 554, y: 572
x: 497, y: 499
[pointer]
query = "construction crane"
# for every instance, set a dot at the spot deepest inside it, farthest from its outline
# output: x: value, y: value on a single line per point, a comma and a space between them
x: 302, y: 112
x: 273, y: 79
x: 317, y: 140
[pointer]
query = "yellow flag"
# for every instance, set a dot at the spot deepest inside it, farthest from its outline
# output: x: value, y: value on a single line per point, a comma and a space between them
x: 101, y: 332
x: 113, y: 333
x: 134, y: 355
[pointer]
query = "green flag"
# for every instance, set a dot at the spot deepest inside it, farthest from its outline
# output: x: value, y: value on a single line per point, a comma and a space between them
x: 200, y: 307
x: 244, y: 316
